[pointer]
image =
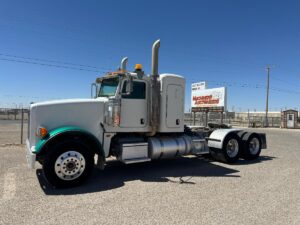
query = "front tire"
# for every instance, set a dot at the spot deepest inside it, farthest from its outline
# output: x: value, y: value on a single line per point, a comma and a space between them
x: 68, y: 163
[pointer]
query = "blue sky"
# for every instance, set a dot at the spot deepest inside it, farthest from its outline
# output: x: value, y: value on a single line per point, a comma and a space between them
x: 222, y: 42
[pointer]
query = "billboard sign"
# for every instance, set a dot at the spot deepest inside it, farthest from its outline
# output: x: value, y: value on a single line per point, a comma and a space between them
x: 199, y: 86
x: 209, y: 98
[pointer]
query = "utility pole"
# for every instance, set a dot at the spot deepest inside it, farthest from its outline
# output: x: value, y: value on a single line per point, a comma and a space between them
x: 267, y: 100
x: 248, y: 118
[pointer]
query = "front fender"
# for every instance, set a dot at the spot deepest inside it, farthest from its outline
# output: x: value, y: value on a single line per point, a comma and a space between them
x: 62, y: 131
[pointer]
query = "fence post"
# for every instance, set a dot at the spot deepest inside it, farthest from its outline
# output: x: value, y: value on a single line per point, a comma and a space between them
x: 22, y: 124
x: 28, y: 123
x: 222, y: 117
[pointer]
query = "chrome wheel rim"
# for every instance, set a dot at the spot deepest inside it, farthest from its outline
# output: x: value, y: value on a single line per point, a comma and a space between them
x: 69, y: 165
x: 232, y: 148
x: 254, y: 146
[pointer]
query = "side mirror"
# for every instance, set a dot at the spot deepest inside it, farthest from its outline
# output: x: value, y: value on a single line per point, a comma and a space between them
x: 94, y: 90
x: 129, y: 87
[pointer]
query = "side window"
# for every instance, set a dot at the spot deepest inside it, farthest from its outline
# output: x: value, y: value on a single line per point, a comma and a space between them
x: 139, y: 90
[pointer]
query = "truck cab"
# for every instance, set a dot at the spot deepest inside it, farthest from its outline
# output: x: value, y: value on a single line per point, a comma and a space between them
x: 129, y: 111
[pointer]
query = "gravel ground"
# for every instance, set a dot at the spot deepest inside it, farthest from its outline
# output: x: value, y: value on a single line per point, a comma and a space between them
x: 179, y: 191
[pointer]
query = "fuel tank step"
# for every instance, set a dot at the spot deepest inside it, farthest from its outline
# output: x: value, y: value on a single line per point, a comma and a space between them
x: 138, y: 160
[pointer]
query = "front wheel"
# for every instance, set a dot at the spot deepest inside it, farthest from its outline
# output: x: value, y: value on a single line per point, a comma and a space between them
x: 68, y: 164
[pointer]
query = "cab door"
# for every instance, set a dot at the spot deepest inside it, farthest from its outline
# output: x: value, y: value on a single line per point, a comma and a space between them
x: 134, y: 112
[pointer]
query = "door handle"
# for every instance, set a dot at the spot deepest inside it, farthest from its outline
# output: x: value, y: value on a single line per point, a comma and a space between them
x: 142, y: 121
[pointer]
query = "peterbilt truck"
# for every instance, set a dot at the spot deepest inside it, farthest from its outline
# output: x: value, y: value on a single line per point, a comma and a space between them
x: 133, y: 117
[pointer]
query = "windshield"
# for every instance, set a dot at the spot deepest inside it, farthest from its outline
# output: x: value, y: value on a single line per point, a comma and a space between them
x: 108, y: 87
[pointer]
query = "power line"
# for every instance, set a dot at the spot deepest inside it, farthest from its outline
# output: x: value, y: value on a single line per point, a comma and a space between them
x: 255, y: 86
x: 51, y: 65
x: 27, y: 96
x: 225, y: 83
x: 215, y: 59
x: 237, y: 84
x: 51, y: 61
x: 284, y: 81
x: 283, y: 90
x: 233, y: 84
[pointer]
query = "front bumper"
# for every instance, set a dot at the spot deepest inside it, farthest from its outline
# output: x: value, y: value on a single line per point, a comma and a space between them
x: 31, y: 157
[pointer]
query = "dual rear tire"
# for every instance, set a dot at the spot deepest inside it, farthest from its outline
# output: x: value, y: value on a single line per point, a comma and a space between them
x: 230, y: 151
x: 247, y: 146
x: 252, y: 146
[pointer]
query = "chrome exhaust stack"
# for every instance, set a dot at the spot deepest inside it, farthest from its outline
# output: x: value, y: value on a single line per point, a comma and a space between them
x: 155, y: 90
x: 155, y: 48
x: 124, y: 63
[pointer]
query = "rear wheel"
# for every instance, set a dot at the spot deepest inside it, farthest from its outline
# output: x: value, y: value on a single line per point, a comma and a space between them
x: 230, y: 151
x: 68, y: 163
x: 252, y: 146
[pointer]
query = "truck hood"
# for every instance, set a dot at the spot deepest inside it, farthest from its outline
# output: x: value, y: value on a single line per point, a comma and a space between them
x: 87, y: 114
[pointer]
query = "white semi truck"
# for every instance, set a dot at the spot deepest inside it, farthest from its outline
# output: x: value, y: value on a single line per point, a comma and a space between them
x: 135, y: 118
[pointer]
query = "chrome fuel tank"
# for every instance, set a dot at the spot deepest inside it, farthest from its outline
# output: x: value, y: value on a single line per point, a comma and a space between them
x: 169, y: 147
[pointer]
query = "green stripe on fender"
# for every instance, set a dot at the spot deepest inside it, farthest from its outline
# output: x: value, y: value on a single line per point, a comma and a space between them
x: 60, y: 130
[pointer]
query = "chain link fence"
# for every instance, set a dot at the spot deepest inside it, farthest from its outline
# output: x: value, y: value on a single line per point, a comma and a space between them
x: 13, y: 125
x: 233, y: 119
x: 14, y: 122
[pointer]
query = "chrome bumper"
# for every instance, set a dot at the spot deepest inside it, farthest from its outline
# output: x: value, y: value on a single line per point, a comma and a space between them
x: 29, y: 155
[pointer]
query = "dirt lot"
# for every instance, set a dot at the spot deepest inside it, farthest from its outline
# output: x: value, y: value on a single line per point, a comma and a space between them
x: 179, y: 191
